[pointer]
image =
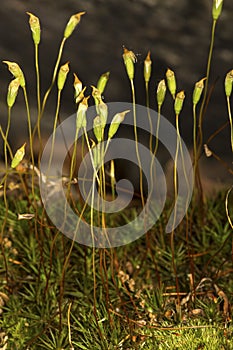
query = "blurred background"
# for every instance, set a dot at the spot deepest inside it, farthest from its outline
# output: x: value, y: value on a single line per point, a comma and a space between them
x: 177, y: 32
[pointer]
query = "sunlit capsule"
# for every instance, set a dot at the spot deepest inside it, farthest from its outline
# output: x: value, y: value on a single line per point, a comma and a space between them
x: 129, y: 59
x: 34, y: 23
x: 102, y: 82
x: 161, y: 92
x: 217, y: 8
x: 179, y: 100
x: 147, y: 68
x: 96, y: 94
x: 197, y: 92
x: 16, y: 71
x: 115, y: 123
x: 98, y: 128
x: 78, y: 86
x: 13, y: 89
x: 18, y: 157
x: 81, y: 120
x: 228, y: 83
x: 72, y: 23
x: 171, y: 82
x: 62, y: 75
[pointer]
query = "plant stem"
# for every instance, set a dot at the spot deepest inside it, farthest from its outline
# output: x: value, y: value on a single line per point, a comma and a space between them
x: 175, y: 208
x: 155, y: 151
x: 54, y: 129
x: 230, y: 120
x: 37, y: 78
x: 6, y: 136
x: 41, y: 108
x: 54, y: 75
x: 201, y: 114
x: 136, y: 142
x: 38, y: 95
x: 149, y: 116
x: 197, y: 178
x: 30, y: 138
x: 194, y: 138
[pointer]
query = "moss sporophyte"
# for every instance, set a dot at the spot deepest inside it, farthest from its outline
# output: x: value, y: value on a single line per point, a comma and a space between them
x: 129, y: 59
x: 34, y: 23
x: 171, y: 82
x: 147, y: 68
x: 15, y: 69
x: 13, y: 89
x: 157, y: 263
x: 217, y: 9
x: 72, y: 24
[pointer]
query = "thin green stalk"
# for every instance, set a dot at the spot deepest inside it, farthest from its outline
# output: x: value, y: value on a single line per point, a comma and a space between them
x: 155, y: 151
x: 6, y: 136
x: 103, y: 192
x: 83, y: 160
x: 102, y: 186
x: 54, y: 129
x: 91, y: 156
x: 73, y: 161
x: 175, y: 167
x: 38, y: 94
x: 29, y: 125
x: 6, y: 142
x: 201, y: 114
x: 157, y: 131
x: 30, y: 137
x: 194, y: 138
x: 41, y: 107
x: 183, y: 161
x: 230, y: 120
x: 113, y: 180
x: 37, y: 77
x: 160, y: 96
x: 175, y: 209
x: 149, y: 116
x: 54, y: 75
x: 5, y: 191
x: 196, y: 172
x: 93, y: 250
x: 136, y: 143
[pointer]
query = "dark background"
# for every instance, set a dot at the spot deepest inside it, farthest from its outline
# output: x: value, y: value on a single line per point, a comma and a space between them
x: 177, y: 32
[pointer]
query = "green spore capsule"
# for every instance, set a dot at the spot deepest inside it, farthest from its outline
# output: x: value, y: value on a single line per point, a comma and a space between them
x: 34, y: 23
x: 216, y: 9
x: 171, y: 82
x: 13, y: 89
x: 16, y: 71
x: 18, y: 157
x: 62, y: 75
x: 72, y: 24
x: 161, y: 92
x: 179, y: 100
x: 228, y: 83
x: 102, y: 82
x: 98, y: 128
x: 115, y: 123
x: 81, y: 120
x: 129, y: 60
x: 147, y: 68
x: 197, y: 92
